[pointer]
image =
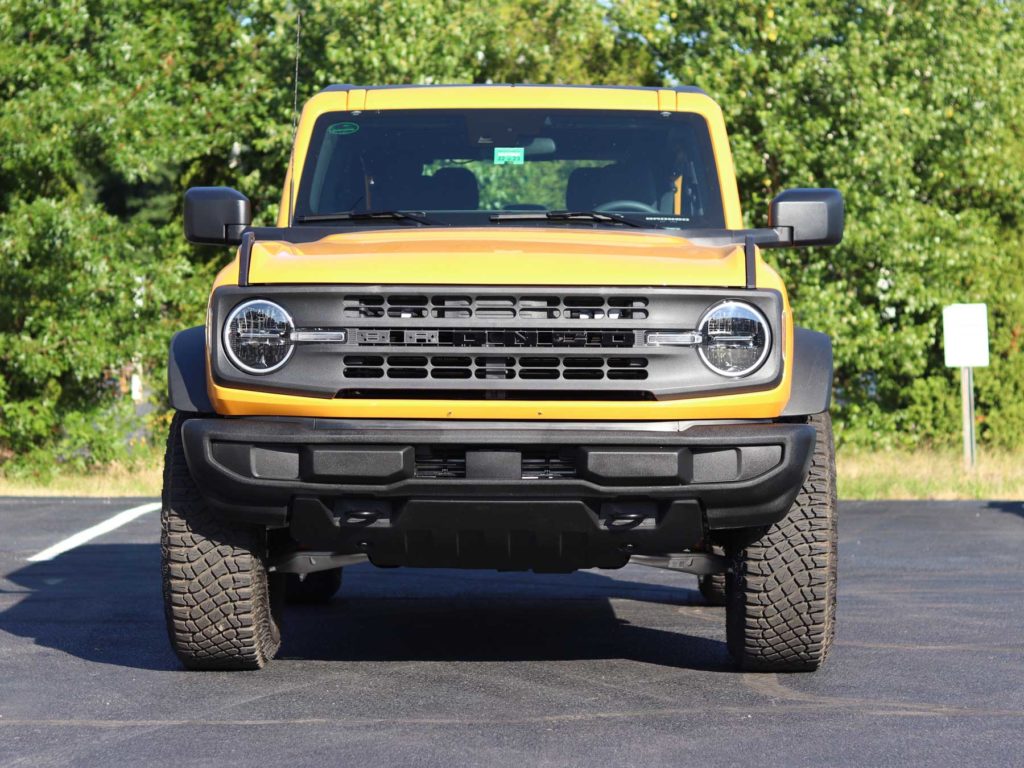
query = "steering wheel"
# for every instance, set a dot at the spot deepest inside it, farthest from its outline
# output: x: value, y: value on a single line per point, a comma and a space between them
x: 628, y: 206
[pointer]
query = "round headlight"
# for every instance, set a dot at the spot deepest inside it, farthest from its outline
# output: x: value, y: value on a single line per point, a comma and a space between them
x: 735, y: 338
x: 257, y: 336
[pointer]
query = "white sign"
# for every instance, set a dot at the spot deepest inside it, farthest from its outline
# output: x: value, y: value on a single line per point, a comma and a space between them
x: 965, y: 335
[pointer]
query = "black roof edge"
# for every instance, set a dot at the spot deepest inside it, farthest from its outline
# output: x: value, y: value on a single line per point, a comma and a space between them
x: 350, y: 87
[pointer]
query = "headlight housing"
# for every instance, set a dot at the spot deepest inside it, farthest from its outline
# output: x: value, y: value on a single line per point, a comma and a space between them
x: 258, y: 336
x: 735, y: 339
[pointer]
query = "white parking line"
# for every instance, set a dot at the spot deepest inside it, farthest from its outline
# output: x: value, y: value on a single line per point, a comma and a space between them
x: 91, y: 533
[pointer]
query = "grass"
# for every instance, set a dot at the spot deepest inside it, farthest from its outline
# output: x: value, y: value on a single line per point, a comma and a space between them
x: 929, y: 474
x: 142, y: 479
x: 862, y: 475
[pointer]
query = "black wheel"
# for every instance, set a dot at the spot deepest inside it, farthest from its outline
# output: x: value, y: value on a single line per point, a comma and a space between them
x: 781, y: 595
x: 317, y: 588
x: 712, y: 586
x: 222, y: 610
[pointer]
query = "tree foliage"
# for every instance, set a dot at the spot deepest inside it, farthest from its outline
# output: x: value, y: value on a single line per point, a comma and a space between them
x: 109, y: 109
x: 916, y: 112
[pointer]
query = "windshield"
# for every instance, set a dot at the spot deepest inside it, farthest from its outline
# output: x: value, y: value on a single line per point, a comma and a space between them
x: 469, y: 166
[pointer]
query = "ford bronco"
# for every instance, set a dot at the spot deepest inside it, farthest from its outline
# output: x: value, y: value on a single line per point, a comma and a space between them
x: 502, y: 327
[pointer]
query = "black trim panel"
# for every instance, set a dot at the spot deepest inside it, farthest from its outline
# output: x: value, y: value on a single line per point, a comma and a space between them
x: 812, y: 373
x: 186, y: 372
x: 723, y: 467
x: 319, y: 370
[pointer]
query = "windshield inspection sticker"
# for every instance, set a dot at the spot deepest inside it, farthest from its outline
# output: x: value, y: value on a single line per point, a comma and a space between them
x: 343, y: 129
x: 509, y: 155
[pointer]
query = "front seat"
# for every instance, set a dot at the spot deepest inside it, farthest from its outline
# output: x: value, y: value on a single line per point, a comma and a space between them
x: 454, y: 189
x: 581, y: 189
x: 626, y: 182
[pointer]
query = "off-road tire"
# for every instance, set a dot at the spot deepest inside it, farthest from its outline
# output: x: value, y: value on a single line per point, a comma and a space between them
x: 316, y: 589
x: 221, y: 609
x: 712, y: 586
x: 781, y: 593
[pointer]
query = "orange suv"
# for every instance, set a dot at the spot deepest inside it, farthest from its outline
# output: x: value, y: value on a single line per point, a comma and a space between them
x: 503, y: 327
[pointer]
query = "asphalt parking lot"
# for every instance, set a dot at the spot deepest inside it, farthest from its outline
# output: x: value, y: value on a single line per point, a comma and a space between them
x: 599, y: 668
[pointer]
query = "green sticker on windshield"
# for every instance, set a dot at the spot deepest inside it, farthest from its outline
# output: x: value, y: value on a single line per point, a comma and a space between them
x: 343, y: 129
x: 509, y: 155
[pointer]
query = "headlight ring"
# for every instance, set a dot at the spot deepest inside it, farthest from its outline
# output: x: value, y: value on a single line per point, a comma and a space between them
x: 735, y: 339
x: 258, y: 336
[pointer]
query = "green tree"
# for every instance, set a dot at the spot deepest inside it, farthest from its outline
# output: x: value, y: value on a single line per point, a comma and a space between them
x: 914, y: 111
x: 110, y: 109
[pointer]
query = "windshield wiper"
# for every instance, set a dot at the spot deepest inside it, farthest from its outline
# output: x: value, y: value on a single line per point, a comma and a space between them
x: 368, y: 216
x: 602, y: 217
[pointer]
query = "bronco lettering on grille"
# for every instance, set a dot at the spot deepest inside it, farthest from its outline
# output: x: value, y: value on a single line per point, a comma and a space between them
x: 473, y: 337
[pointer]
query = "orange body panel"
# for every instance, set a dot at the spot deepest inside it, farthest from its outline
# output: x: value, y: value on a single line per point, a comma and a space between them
x: 512, y: 256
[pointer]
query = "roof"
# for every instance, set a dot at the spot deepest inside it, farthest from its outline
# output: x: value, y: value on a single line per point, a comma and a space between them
x: 352, y: 87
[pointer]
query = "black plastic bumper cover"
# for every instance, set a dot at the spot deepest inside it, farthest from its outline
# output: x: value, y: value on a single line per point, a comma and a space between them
x: 260, y: 470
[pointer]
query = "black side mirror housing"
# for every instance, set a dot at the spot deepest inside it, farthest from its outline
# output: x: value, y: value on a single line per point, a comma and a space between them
x: 216, y: 215
x: 814, y: 216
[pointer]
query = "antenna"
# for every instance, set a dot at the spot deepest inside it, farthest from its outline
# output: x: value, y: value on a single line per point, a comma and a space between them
x: 295, y: 118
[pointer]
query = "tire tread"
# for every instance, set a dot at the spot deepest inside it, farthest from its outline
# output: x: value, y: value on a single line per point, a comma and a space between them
x: 782, y: 591
x: 217, y: 596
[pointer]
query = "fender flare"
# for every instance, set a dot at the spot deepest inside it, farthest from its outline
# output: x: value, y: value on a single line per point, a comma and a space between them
x: 186, y: 372
x: 812, y: 373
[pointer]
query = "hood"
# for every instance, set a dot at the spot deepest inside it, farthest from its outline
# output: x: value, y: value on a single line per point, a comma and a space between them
x: 507, y: 256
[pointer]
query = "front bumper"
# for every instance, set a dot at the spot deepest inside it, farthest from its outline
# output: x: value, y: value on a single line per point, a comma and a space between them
x: 555, y: 496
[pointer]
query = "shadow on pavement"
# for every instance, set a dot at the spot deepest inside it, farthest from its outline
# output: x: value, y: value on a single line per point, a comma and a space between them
x: 1013, y: 507
x: 99, y: 602
x: 102, y: 603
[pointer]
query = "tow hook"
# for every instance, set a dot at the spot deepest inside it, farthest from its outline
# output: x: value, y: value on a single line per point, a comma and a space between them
x: 624, y: 521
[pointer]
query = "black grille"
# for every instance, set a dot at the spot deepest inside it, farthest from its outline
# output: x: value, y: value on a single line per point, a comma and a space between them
x: 495, y: 368
x: 495, y: 307
x: 441, y: 466
x: 537, y: 464
x: 507, y: 338
x: 548, y: 465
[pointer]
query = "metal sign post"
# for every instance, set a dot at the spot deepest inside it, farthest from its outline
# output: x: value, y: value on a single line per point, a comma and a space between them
x: 965, y: 338
x: 967, y: 398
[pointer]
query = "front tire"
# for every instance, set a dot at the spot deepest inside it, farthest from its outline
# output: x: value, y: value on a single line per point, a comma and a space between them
x: 781, y: 593
x: 221, y: 609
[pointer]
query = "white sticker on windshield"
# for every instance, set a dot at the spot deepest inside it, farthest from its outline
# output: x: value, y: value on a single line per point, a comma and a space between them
x: 509, y: 155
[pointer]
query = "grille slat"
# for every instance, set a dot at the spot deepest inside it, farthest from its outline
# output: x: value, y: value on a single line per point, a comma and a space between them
x: 487, y: 307
x: 548, y: 367
x: 441, y: 467
x: 543, y: 465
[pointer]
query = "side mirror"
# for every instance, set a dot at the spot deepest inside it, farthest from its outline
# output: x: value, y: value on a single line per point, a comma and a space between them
x: 815, y: 216
x: 216, y: 215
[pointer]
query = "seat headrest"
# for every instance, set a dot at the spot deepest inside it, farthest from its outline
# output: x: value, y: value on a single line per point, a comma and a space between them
x: 455, y: 189
x: 590, y: 188
x: 627, y: 182
x: 581, y: 189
